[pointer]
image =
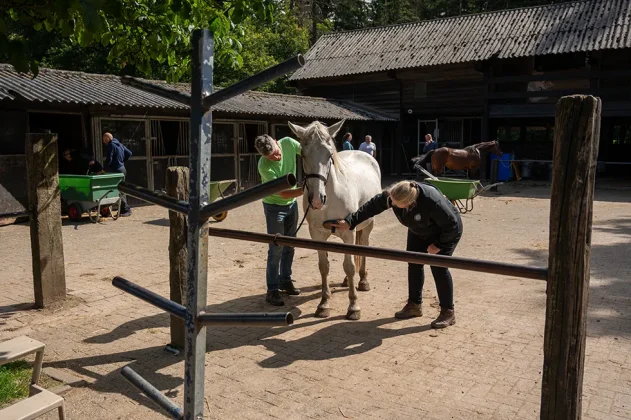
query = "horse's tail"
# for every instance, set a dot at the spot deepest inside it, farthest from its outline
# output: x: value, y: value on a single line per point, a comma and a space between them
x: 419, y: 162
x: 358, y: 238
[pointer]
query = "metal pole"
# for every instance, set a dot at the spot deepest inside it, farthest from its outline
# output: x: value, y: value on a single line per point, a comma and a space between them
x: 246, y: 320
x: 16, y: 214
x: 250, y: 195
x: 152, y: 393
x: 201, y: 130
x: 255, y: 81
x: 389, y: 254
x: 154, y: 197
x: 148, y: 296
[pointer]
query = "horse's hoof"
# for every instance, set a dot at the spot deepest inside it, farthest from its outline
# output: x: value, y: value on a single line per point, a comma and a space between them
x: 354, y: 315
x: 323, y: 312
x: 345, y: 282
x: 363, y: 286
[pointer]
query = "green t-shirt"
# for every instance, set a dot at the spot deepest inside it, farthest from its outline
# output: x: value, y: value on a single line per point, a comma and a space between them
x: 270, y: 170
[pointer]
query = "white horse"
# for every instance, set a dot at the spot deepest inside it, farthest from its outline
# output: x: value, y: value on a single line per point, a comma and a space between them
x: 337, y: 184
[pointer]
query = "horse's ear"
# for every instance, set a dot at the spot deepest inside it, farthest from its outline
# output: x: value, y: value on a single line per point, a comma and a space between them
x: 297, y: 130
x: 333, y: 130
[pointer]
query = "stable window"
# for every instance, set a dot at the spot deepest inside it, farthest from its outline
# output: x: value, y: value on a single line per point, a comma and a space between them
x: 536, y: 134
x: 621, y: 134
x: 129, y: 132
x: 507, y: 133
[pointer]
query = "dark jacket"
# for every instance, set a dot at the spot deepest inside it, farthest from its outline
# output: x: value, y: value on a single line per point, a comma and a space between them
x: 432, y: 217
x: 430, y: 146
x: 117, y: 155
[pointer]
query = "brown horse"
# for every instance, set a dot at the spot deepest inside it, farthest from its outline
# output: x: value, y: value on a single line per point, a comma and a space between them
x: 466, y: 159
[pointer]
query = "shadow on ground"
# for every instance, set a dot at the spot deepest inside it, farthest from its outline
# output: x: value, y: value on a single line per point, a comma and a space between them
x: 336, y: 338
x: 609, y: 307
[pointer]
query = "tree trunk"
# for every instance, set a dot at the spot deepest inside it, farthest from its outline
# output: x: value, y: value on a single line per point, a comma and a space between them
x: 47, y: 247
x: 576, y: 138
x: 177, y: 184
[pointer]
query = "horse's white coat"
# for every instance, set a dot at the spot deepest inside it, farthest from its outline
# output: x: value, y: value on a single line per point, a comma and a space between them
x: 353, y: 178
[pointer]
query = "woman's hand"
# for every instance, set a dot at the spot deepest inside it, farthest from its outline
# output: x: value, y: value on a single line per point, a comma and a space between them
x: 341, y: 225
x: 433, y: 249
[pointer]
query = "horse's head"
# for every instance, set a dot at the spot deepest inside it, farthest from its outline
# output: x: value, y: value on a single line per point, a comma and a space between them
x: 318, y: 154
x: 496, y: 149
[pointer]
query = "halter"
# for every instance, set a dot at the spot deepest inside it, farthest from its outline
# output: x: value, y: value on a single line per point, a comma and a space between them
x: 324, y: 179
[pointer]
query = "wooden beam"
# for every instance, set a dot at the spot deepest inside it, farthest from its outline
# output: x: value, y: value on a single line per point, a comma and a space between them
x: 576, y: 138
x: 47, y: 247
x: 565, y: 75
x: 177, y: 184
x: 558, y: 93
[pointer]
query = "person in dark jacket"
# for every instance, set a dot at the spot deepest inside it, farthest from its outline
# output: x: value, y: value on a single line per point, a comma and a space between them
x: 117, y: 154
x: 434, y: 227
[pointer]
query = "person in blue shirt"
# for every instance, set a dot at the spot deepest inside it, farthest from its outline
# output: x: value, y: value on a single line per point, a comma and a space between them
x: 347, y: 145
x: 430, y: 144
x: 117, y: 154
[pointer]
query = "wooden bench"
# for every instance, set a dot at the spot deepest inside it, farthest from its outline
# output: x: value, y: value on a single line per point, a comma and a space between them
x: 40, y: 401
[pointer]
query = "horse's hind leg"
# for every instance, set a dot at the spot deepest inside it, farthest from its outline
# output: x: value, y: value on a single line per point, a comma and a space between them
x: 324, y: 310
x: 364, y: 239
x: 354, y: 311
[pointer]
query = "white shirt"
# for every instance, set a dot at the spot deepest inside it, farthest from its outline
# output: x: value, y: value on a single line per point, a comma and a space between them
x: 368, y: 148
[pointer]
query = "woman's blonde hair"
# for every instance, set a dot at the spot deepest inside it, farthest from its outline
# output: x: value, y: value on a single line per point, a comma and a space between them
x: 404, y: 192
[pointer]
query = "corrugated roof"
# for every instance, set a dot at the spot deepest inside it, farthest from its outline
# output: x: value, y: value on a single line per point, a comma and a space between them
x: 71, y: 87
x: 553, y: 29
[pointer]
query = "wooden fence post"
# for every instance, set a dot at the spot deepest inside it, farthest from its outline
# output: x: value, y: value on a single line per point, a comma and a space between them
x: 177, y: 185
x: 576, y: 138
x: 47, y: 247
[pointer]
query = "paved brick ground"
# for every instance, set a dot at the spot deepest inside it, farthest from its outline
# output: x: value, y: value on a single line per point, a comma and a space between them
x: 486, y: 367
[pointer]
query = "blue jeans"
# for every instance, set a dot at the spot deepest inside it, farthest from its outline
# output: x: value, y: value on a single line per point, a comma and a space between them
x: 282, y: 220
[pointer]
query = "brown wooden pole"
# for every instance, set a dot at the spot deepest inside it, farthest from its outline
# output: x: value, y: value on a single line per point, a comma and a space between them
x: 177, y: 184
x: 47, y: 247
x: 576, y: 138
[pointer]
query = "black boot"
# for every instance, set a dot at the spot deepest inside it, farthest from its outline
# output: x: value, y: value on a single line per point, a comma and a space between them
x: 288, y: 287
x: 274, y: 298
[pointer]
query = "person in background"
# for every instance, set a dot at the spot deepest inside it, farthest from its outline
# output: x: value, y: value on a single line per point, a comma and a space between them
x: 434, y: 227
x: 430, y: 144
x: 278, y: 159
x: 346, y: 144
x: 90, y: 164
x: 117, y: 154
x: 369, y: 147
x: 68, y: 165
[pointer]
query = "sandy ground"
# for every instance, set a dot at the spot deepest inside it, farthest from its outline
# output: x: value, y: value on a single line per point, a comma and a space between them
x: 488, y: 366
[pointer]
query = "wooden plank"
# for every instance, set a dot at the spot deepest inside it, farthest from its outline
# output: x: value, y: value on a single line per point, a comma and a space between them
x: 33, y: 407
x: 577, y: 131
x: 177, y: 185
x: 18, y: 347
x: 558, y: 93
x: 566, y: 75
x: 47, y: 252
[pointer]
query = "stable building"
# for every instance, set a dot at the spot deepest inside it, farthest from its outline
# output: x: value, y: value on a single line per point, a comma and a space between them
x: 486, y: 76
x: 80, y: 107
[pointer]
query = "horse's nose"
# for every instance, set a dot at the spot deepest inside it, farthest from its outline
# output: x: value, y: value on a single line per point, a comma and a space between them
x: 316, y: 201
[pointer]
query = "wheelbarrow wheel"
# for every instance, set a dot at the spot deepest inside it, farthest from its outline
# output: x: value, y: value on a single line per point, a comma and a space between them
x: 74, y: 212
x: 105, y: 211
x: 221, y: 216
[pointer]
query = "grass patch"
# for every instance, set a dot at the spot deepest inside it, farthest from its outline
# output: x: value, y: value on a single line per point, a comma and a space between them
x: 15, y: 379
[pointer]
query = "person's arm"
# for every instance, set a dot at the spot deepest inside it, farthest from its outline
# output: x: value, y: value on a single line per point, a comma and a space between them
x: 376, y: 205
x: 440, y: 212
x: 110, y: 154
x: 268, y: 175
x: 294, y: 192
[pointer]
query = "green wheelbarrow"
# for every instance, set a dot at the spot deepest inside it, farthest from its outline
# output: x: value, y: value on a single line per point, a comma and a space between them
x: 217, y: 188
x: 90, y: 194
x: 460, y: 189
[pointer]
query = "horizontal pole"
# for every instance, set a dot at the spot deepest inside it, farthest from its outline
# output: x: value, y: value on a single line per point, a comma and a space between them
x: 16, y: 214
x: 388, y: 254
x: 152, y: 393
x: 246, y: 320
x: 165, y: 92
x: 248, y: 196
x: 147, y: 295
x: 254, y: 81
x: 153, y: 197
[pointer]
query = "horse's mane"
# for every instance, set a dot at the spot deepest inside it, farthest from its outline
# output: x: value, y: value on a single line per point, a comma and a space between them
x: 317, y: 130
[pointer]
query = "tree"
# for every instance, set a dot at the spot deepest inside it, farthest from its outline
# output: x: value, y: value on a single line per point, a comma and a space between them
x: 141, y: 33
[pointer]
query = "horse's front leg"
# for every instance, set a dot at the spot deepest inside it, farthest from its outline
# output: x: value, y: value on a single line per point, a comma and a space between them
x: 324, y: 310
x: 354, y: 311
x: 364, y: 239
